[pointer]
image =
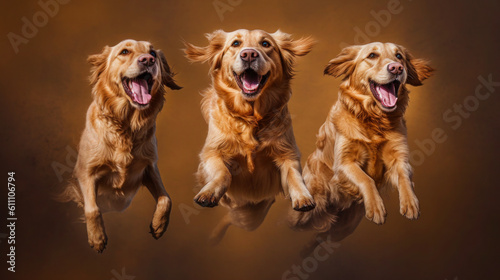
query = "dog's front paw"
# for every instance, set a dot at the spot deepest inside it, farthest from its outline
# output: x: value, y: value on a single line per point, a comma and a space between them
x: 96, y: 235
x: 207, y: 198
x: 158, y: 228
x: 375, y: 210
x: 98, y: 241
x: 303, y: 203
x: 161, y: 216
x: 409, y: 207
x: 159, y: 225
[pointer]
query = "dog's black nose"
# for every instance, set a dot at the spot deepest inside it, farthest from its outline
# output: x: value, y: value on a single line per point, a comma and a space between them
x: 249, y: 55
x: 395, y: 68
x: 146, y: 60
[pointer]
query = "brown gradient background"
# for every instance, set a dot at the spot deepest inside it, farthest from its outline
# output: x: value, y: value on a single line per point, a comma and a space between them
x: 45, y: 95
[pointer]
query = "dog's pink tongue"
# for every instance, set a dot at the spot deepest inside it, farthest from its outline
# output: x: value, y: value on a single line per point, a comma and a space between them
x: 140, y: 91
x: 251, y: 81
x: 387, y: 95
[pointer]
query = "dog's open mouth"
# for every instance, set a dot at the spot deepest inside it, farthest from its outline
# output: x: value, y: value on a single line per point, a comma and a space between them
x: 250, y: 82
x: 139, y: 88
x: 386, y: 94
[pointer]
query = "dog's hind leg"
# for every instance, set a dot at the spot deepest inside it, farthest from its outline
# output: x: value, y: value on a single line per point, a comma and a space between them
x: 153, y: 182
x: 346, y: 222
x: 248, y: 217
x: 220, y: 230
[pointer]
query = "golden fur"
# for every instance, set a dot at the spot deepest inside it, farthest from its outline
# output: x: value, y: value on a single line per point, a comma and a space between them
x: 118, y: 150
x: 250, y: 154
x: 362, y: 146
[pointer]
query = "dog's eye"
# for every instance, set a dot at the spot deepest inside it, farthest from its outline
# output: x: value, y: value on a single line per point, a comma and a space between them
x: 124, y: 51
x: 153, y: 53
x: 236, y: 43
x: 266, y: 44
x: 372, y: 55
x: 399, y: 56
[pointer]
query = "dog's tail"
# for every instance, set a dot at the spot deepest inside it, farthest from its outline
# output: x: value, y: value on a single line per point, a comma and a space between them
x: 71, y: 192
x: 220, y: 230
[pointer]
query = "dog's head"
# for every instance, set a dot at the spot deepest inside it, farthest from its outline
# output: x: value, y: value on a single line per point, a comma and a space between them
x: 248, y: 62
x: 381, y: 70
x: 134, y: 70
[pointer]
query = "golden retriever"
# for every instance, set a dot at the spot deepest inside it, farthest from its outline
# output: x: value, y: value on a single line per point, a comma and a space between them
x: 250, y: 154
x: 362, y: 146
x: 118, y: 150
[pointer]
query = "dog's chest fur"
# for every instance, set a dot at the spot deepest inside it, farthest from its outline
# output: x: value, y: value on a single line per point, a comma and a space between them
x: 363, y: 145
x: 241, y: 139
x: 373, y: 164
x: 245, y: 147
x: 125, y: 155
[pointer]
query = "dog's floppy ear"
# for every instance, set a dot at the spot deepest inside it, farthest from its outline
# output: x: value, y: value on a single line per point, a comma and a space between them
x: 298, y: 47
x: 344, y: 63
x: 290, y: 48
x: 99, y: 63
x: 211, y: 53
x: 418, y: 69
x: 167, y: 76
